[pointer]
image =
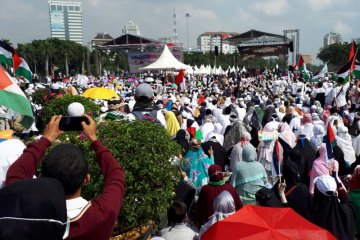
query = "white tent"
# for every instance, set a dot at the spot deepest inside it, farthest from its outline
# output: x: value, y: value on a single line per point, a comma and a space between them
x: 202, y: 70
x: 166, y: 61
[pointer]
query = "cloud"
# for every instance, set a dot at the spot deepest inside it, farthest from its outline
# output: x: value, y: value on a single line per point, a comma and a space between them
x: 317, y: 5
x: 343, y: 28
x: 272, y: 7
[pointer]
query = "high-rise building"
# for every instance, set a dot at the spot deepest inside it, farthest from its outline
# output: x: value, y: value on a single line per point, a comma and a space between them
x: 131, y: 28
x: 66, y: 20
x: 331, y: 38
x: 208, y: 40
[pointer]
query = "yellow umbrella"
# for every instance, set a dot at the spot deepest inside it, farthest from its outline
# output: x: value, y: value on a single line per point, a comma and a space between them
x: 100, y: 93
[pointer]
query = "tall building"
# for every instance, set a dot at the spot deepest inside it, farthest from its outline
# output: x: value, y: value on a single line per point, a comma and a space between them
x: 131, y: 28
x: 208, y: 40
x: 331, y: 38
x: 66, y: 20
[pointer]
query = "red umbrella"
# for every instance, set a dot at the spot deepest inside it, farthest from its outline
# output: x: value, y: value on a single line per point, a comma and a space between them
x: 254, y: 222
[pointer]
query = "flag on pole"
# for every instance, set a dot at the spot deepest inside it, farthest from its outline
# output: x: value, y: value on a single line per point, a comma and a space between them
x: 302, y: 68
x: 24, y: 70
x: 180, y: 79
x: 6, y: 52
x: 16, y: 61
x: 320, y: 74
x: 344, y: 71
x: 352, y: 51
x: 355, y: 67
x: 12, y: 97
x: 330, y: 143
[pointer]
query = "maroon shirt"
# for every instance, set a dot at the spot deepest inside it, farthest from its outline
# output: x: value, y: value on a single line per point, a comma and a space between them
x: 98, y: 218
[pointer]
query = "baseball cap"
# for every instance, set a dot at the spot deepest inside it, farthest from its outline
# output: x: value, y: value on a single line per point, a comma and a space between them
x: 144, y: 90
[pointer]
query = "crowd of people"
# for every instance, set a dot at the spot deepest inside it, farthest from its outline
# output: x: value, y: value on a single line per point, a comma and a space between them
x: 260, y: 140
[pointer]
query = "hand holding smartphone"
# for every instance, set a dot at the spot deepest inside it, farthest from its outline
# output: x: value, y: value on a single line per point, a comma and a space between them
x: 72, y: 123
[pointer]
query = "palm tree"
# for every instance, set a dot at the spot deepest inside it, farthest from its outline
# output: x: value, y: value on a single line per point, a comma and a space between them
x: 46, y: 51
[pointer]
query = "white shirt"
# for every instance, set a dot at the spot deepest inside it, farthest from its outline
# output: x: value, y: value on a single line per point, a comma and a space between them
x: 75, y: 206
x: 340, y: 96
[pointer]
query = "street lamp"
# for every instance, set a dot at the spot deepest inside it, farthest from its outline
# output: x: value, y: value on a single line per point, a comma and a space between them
x: 187, y: 29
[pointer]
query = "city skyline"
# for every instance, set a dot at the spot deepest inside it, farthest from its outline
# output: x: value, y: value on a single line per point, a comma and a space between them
x: 313, y: 18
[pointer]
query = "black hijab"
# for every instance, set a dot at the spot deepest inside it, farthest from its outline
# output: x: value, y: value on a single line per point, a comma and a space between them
x: 338, y: 218
x: 268, y: 114
x: 303, y: 145
x: 267, y: 198
x: 182, y: 138
x: 41, y: 198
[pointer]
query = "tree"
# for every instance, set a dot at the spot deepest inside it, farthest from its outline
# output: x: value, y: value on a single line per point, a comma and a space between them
x: 335, y: 54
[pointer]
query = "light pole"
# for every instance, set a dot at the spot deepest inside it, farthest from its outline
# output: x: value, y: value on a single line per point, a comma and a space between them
x: 187, y: 29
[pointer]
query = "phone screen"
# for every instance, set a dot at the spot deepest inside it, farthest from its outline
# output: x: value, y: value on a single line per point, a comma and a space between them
x: 72, y: 123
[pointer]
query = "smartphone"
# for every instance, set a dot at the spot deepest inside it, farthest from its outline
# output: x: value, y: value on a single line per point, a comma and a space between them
x: 72, y: 123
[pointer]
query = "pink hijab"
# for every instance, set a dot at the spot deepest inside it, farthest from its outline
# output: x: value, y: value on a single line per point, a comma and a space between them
x: 326, y: 113
x: 287, y: 135
x: 306, y: 119
x: 320, y: 167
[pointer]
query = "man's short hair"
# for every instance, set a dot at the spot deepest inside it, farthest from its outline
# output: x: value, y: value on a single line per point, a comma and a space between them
x: 176, y: 213
x: 66, y: 163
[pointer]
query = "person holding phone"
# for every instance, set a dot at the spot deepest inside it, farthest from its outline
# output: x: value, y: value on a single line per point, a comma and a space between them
x: 92, y: 219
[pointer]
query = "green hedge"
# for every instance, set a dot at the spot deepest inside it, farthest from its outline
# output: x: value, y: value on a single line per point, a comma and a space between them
x: 58, y: 106
x: 143, y: 150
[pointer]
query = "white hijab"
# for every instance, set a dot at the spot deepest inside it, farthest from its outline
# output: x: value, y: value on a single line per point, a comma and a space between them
x: 343, y: 140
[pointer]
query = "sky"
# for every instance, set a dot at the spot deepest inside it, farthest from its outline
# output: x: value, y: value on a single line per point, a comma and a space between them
x: 25, y: 20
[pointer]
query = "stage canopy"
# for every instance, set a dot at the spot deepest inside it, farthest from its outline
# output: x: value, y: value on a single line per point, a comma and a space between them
x: 255, y: 43
x: 166, y: 61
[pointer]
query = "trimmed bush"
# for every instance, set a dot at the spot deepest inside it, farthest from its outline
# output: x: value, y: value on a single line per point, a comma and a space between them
x: 58, y: 106
x: 143, y: 150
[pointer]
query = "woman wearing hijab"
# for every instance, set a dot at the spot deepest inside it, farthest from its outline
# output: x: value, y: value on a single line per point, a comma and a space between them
x: 317, y: 139
x: 182, y: 138
x: 268, y: 114
x: 319, y: 167
x: 236, y: 152
x: 295, y: 173
x: 204, y: 206
x: 249, y: 175
x: 344, y: 141
x: 289, y: 115
x: 354, y: 194
x: 224, y: 206
x: 172, y: 125
x: 316, y: 120
x: 33, y: 209
x: 196, y: 164
x: 338, y: 217
x: 307, y: 126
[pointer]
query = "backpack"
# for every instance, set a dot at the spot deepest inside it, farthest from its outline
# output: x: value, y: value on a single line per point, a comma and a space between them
x: 151, y: 116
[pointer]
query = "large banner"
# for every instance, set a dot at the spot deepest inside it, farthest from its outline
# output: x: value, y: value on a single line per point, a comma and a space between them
x: 57, y: 21
x: 248, y: 52
x: 142, y: 59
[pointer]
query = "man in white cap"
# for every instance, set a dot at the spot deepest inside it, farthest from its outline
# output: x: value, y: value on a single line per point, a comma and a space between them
x: 144, y: 106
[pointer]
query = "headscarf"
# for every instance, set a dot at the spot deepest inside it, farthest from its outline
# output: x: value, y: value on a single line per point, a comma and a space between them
x: 172, y: 124
x: 234, y: 135
x: 317, y: 139
x: 10, y: 151
x: 319, y: 109
x: 266, y: 197
x: 306, y: 119
x: 268, y: 114
x: 320, y: 167
x: 33, y: 209
x: 287, y: 135
x: 294, y: 169
x: 182, y: 138
x: 328, y: 213
x: 215, y: 173
x: 224, y: 206
x: 344, y: 141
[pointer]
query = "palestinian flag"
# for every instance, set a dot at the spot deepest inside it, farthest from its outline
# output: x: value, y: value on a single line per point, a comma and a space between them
x: 23, y: 70
x: 345, y: 71
x: 353, y: 51
x: 356, y: 65
x: 321, y: 74
x: 302, y: 68
x: 330, y: 143
x: 278, y: 154
x: 195, y: 133
x: 12, y: 97
x: 6, y: 53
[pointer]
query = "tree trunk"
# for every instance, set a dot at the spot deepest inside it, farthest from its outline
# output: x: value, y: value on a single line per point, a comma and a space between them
x: 88, y: 62
x: 66, y: 65
x: 47, y: 65
x: 83, y: 64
